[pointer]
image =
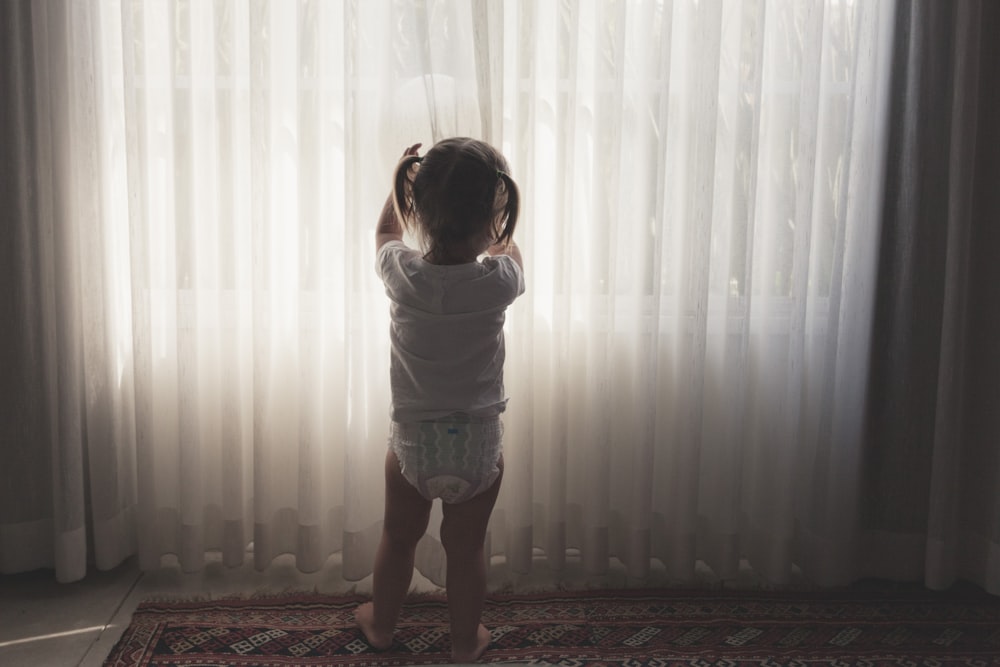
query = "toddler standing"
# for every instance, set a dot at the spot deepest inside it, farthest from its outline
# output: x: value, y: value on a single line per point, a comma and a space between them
x: 447, y: 307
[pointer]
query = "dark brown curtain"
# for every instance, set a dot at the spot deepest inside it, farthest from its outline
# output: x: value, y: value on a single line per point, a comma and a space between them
x: 932, y: 499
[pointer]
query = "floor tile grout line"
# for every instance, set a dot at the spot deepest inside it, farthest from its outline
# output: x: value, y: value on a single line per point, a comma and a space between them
x: 114, y: 612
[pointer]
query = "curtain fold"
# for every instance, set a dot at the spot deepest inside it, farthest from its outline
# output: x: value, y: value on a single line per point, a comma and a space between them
x: 201, y: 338
x: 964, y: 523
x: 56, y: 204
x: 931, y: 495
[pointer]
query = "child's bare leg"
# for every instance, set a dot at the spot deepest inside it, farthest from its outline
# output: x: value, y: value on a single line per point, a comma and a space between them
x: 463, y: 531
x: 406, y: 516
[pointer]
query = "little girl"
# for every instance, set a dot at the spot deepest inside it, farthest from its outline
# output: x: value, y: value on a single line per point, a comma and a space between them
x: 446, y: 372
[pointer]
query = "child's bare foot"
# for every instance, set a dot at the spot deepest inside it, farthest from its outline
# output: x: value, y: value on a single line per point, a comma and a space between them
x: 364, y: 615
x: 459, y: 654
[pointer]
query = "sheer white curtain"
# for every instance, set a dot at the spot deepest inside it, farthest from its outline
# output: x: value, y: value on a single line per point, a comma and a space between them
x: 687, y: 371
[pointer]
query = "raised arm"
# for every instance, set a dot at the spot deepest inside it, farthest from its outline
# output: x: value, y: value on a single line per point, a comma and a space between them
x: 389, y: 227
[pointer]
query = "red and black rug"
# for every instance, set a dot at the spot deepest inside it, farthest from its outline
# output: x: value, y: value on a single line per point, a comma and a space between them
x: 633, y: 628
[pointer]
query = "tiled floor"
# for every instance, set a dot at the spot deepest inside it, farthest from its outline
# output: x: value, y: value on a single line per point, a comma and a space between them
x: 47, y: 624
x: 44, y: 623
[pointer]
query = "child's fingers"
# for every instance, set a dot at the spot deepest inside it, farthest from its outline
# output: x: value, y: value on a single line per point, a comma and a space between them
x: 412, y: 150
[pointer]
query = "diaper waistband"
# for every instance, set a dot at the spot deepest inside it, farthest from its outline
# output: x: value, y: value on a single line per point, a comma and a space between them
x: 453, y: 427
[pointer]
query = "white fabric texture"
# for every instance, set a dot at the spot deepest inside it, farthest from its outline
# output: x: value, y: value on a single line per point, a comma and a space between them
x: 446, y: 333
x: 206, y: 346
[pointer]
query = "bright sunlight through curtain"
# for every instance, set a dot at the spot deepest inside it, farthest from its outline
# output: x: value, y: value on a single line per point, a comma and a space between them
x: 687, y: 370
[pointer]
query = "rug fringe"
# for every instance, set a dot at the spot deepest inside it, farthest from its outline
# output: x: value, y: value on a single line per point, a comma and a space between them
x: 261, y: 595
x: 505, y: 589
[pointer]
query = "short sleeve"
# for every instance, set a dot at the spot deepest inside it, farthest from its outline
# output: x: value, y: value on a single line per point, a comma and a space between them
x: 387, y: 257
x: 508, y: 273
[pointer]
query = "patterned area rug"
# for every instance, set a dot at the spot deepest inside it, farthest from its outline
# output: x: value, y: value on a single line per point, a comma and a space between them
x: 633, y: 628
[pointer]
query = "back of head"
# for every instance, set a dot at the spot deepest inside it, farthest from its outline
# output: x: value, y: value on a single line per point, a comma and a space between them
x: 460, y: 193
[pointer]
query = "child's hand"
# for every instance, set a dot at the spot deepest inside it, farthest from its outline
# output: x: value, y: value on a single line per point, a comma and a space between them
x: 412, y: 150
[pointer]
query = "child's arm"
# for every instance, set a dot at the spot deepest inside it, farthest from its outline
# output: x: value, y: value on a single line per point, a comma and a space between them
x: 389, y: 227
x: 508, y: 249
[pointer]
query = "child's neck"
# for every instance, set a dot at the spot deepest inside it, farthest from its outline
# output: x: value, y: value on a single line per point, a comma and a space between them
x: 452, y: 256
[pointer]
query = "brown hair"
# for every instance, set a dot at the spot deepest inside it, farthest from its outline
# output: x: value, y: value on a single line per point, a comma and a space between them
x: 460, y: 191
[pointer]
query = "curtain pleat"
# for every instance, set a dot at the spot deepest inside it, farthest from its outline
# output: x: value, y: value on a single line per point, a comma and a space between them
x: 930, y: 498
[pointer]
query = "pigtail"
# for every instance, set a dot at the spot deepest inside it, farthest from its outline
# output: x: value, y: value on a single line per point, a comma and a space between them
x: 402, y: 190
x: 511, y: 209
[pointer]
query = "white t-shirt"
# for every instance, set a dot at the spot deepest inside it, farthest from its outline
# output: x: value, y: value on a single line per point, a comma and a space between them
x: 446, y: 332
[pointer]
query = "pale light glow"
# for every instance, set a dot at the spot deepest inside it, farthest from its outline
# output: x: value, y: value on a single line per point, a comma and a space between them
x: 53, y: 635
x: 249, y: 167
